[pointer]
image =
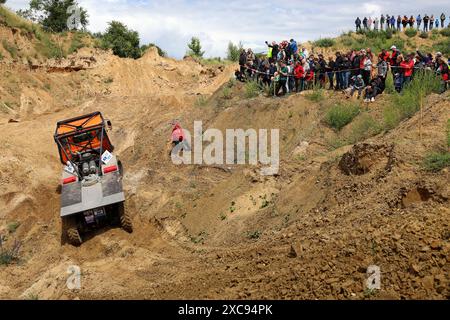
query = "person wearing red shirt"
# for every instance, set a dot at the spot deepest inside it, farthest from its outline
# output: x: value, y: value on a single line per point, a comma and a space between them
x: 407, y: 67
x: 384, y: 55
x: 393, y: 61
x: 444, y: 71
x: 177, y: 133
x: 299, y: 76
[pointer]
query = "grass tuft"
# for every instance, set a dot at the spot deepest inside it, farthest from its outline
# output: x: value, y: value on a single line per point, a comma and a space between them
x: 341, y: 114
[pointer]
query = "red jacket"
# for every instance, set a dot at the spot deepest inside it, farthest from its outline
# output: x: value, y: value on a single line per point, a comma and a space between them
x: 394, y: 56
x: 407, y: 68
x: 384, y: 56
x: 309, y: 75
x: 444, y: 71
x: 299, y: 72
x: 361, y: 62
x: 177, y: 133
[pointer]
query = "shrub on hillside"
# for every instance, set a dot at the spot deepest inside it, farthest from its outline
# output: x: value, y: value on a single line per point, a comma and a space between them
x: 341, y: 114
x: 324, y: 42
x: 423, y: 35
x: 437, y: 161
x: 9, y: 255
x: 411, y: 32
x: 251, y: 89
x: 445, y: 32
x: 407, y: 103
x: 227, y: 93
x: 315, y: 95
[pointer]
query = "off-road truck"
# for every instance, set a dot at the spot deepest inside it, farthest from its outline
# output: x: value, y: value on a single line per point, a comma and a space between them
x: 91, y: 187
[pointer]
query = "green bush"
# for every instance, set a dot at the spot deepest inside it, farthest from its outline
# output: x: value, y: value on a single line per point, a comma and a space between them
x: 436, y: 161
x: 445, y: 32
x: 9, y: 255
x: 411, y: 32
x: 316, y: 95
x: 423, y: 35
x: 254, y: 235
x: 324, y: 42
x: 251, y: 89
x: 226, y: 93
x: 341, y: 114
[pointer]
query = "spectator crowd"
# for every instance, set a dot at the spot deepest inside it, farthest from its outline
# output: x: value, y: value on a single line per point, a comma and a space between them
x: 288, y: 67
x: 390, y: 22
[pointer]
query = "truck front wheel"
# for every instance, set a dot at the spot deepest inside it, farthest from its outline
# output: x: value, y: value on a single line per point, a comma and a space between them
x: 125, y: 219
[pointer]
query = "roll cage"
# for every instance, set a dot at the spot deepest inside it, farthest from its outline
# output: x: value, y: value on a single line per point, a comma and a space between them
x: 80, y: 135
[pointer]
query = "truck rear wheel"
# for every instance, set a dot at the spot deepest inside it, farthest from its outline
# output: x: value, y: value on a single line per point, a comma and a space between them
x: 74, y: 237
x: 125, y: 219
x: 71, y: 230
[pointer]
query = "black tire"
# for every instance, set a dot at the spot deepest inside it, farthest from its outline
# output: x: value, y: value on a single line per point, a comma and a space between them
x: 125, y: 219
x: 71, y: 231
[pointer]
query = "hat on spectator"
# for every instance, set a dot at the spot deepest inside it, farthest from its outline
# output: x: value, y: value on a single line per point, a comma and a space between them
x: 393, y: 48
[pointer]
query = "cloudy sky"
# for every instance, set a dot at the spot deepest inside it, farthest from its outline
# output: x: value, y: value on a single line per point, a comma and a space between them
x: 171, y: 23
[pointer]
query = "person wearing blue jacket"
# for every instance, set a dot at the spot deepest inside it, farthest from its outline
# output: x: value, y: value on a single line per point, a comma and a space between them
x: 393, y: 20
x: 418, y: 21
x: 294, y: 48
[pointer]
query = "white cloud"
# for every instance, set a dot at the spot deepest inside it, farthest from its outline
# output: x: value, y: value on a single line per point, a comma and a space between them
x: 171, y: 23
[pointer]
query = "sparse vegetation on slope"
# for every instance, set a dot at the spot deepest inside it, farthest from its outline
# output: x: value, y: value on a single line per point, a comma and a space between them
x: 341, y: 114
x: 405, y: 104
